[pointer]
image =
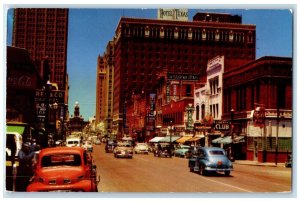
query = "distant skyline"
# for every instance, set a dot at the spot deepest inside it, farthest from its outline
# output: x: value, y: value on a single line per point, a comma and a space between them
x: 90, y: 30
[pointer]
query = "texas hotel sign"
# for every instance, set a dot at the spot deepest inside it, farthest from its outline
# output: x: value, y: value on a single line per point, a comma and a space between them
x: 172, y: 14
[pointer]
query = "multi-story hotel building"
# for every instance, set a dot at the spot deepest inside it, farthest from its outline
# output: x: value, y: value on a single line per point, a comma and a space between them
x: 44, y: 33
x: 145, y: 46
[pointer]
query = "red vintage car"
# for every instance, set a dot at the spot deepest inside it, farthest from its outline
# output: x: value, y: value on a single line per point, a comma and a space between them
x: 64, y: 169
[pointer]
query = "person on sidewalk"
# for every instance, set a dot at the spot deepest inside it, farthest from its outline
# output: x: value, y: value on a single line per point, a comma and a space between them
x: 25, y: 171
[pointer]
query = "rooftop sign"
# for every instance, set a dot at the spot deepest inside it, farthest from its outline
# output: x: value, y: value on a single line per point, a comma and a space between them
x: 172, y: 14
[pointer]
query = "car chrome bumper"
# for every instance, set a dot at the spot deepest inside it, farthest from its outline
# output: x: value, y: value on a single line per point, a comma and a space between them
x: 218, y: 169
x: 82, y: 186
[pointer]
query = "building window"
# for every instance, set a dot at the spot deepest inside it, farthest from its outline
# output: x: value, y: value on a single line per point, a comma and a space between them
x: 188, y: 90
x: 197, y: 112
x: 281, y: 94
x: 202, y: 111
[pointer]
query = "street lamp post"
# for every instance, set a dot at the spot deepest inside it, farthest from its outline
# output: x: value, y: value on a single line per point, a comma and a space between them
x: 232, y: 126
x: 171, y: 130
x: 55, y: 106
x: 43, y: 141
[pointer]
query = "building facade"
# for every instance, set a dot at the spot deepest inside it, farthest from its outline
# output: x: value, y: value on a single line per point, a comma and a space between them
x: 104, y: 88
x: 174, y: 105
x: 264, y: 88
x: 44, y: 33
x: 145, y: 46
x: 22, y: 81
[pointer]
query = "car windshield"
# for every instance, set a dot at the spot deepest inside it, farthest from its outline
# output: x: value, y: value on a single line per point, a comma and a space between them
x: 73, y: 142
x: 61, y: 160
x: 123, y: 145
x: 216, y: 152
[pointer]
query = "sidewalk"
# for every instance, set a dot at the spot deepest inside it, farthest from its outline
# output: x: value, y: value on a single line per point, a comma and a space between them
x: 255, y: 163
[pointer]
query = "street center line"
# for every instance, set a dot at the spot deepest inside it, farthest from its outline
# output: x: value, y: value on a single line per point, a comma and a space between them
x: 228, y: 185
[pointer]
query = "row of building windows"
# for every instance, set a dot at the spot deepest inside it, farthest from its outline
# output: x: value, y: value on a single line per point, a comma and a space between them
x: 177, y: 116
x: 214, y: 111
x: 190, y: 34
x: 243, y: 101
x: 214, y: 85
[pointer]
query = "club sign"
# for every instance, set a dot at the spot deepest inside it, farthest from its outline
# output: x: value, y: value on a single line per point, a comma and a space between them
x: 222, y: 125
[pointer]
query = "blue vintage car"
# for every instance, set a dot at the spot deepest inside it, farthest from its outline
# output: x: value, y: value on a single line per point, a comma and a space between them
x: 210, y: 159
x: 181, y: 150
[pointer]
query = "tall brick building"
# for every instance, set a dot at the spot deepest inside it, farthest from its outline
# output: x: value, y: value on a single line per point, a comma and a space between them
x: 44, y: 33
x: 145, y: 46
x: 104, y: 87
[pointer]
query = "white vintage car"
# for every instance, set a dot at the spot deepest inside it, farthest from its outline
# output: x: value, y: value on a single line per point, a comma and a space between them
x: 141, y: 148
x: 123, y: 149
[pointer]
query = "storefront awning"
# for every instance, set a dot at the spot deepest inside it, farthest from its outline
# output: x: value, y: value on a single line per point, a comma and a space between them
x: 196, y: 138
x: 17, y: 129
x: 217, y: 140
x: 183, y: 139
x: 156, y: 139
x: 225, y: 140
x: 167, y: 139
x: 239, y: 139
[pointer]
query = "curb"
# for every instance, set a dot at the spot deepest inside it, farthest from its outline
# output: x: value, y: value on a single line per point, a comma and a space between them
x: 260, y: 164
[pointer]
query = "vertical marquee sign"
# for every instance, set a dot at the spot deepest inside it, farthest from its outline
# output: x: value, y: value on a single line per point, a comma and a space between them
x: 41, y: 102
x: 189, y: 109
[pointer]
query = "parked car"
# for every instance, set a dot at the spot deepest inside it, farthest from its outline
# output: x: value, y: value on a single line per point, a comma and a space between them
x: 64, y: 169
x: 164, y: 150
x: 181, y: 150
x: 87, y: 145
x: 191, y: 152
x: 210, y: 159
x: 123, y: 149
x: 141, y: 148
x: 110, y: 145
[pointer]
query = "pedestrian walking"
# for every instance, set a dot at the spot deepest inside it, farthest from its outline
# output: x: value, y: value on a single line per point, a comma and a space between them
x: 25, y: 170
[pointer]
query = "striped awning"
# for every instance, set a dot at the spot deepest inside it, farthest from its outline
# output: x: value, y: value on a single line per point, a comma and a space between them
x: 196, y: 138
x: 183, y: 139
x: 217, y: 140
x: 156, y: 139
x: 239, y: 139
x: 226, y: 140
x: 167, y: 139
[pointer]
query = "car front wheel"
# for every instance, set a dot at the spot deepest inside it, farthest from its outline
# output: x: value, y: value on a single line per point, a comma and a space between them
x: 227, y: 173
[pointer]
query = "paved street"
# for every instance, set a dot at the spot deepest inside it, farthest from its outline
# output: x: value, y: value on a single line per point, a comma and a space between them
x: 146, y: 173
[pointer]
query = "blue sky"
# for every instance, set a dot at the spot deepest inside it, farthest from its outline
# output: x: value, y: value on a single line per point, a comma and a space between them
x: 91, y: 29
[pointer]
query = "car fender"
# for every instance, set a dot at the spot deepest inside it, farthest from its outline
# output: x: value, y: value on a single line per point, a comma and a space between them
x: 192, y: 162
